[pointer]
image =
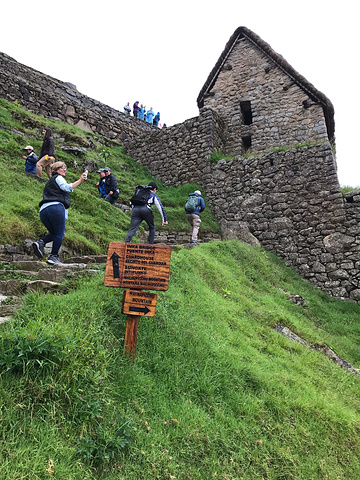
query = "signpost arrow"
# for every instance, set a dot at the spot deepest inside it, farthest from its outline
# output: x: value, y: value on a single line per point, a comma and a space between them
x: 115, y: 261
x: 144, y: 310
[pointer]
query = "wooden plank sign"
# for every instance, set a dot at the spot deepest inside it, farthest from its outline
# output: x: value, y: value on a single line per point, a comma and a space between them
x: 136, y: 302
x: 140, y: 266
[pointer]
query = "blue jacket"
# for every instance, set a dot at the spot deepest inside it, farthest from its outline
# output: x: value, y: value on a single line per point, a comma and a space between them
x: 201, y: 204
x: 30, y: 164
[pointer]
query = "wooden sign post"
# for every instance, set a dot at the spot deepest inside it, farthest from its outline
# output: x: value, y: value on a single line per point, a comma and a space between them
x: 137, y: 266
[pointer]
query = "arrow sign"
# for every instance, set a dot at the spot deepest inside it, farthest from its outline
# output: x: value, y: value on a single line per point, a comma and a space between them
x: 115, y: 262
x: 143, y: 310
x: 136, y: 302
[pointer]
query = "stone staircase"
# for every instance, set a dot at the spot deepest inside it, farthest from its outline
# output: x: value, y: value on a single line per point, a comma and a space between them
x: 21, y: 274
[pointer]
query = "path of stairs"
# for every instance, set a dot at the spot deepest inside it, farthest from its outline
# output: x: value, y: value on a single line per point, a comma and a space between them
x: 22, y: 274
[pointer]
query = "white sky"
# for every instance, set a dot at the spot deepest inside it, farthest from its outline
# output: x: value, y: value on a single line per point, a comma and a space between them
x: 161, y: 52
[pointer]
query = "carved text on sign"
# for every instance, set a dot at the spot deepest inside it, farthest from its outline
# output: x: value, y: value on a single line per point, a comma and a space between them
x: 138, y: 266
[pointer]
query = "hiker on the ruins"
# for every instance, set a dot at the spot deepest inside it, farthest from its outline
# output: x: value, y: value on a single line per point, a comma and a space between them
x: 31, y: 159
x: 101, y: 183
x: 127, y: 108
x: 111, y: 188
x: 53, y: 211
x: 47, y: 155
x: 141, y: 113
x: 143, y: 212
x: 193, y: 207
x: 136, y: 109
x: 150, y: 115
x: 157, y: 119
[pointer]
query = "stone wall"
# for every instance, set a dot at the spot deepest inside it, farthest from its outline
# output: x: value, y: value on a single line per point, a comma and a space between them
x: 288, y: 201
x: 51, y: 98
x: 179, y: 154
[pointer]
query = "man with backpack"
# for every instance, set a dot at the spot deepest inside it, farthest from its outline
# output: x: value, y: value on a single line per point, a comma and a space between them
x: 141, y: 202
x: 193, y: 207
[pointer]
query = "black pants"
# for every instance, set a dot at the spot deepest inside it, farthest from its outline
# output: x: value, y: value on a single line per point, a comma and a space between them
x: 138, y: 214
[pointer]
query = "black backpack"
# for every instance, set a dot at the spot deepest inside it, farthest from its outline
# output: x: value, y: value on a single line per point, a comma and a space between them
x: 141, y: 195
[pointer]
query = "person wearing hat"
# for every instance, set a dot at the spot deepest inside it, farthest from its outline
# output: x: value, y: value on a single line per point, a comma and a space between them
x: 111, y: 188
x: 101, y: 183
x: 193, y: 216
x: 143, y: 212
x: 31, y: 159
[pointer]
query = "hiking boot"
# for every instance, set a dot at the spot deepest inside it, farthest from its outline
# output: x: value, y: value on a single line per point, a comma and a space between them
x: 38, y: 248
x: 54, y: 260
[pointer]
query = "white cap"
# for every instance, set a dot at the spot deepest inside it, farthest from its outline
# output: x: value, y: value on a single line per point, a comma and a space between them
x: 29, y: 147
x: 198, y: 192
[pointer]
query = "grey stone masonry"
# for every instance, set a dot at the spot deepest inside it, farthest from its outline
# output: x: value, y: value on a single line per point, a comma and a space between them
x: 51, y: 98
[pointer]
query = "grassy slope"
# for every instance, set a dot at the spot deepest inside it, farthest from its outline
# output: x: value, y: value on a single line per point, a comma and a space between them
x: 214, y: 391
x: 92, y: 223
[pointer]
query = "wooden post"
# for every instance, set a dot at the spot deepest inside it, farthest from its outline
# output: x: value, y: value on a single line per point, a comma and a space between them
x: 132, y: 322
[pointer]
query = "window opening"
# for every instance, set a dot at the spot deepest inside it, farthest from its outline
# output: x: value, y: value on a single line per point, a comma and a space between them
x: 246, y: 143
x: 246, y: 112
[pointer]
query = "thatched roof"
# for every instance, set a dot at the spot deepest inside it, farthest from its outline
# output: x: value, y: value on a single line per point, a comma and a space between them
x: 311, y: 91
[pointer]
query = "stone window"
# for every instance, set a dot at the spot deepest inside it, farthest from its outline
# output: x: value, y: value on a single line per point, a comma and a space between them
x: 246, y: 112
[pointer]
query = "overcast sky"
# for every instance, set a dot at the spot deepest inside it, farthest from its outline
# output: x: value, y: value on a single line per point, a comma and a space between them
x: 161, y: 52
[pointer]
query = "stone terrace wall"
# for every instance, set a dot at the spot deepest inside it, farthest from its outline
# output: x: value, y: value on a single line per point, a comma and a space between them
x: 51, y: 98
x: 178, y: 154
x: 292, y: 203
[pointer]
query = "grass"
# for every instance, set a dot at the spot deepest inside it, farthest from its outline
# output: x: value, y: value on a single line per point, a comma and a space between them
x: 92, y: 223
x: 215, y: 391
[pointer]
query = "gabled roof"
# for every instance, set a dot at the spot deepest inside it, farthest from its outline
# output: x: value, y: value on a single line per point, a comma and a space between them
x: 311, y: 91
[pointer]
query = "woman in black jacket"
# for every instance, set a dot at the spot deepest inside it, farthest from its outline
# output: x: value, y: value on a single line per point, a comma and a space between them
x: 53, y: 211
x: 47, y: 155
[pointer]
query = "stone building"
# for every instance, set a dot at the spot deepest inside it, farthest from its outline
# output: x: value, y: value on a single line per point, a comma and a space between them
x: 263, y: 102
x: 280, y: 189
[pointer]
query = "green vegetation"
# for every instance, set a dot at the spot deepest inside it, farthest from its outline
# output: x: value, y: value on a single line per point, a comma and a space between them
x: 214, y: 392
x: 92, y: 222
x: 216, y: 156
x: 347, y: 189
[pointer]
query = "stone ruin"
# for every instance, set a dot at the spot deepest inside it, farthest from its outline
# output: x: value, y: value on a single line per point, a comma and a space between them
x: 276, y: 185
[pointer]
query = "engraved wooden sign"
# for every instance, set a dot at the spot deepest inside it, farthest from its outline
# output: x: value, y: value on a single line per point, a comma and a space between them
x: 138, y: 266
x: 136, y: 302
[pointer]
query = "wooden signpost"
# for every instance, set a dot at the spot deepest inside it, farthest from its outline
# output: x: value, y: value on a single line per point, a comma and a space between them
x: 137, y: 266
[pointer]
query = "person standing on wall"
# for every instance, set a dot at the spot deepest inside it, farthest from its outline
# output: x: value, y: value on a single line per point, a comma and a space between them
x: 141, y: 112
x: 111, y: 187
x: 127, y: 108
x: 193, y: 207
x: 136, y: 109
x: 142, y: 211
x: 150, y: 115
x: 53, y: 211
x: 47, y: 155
